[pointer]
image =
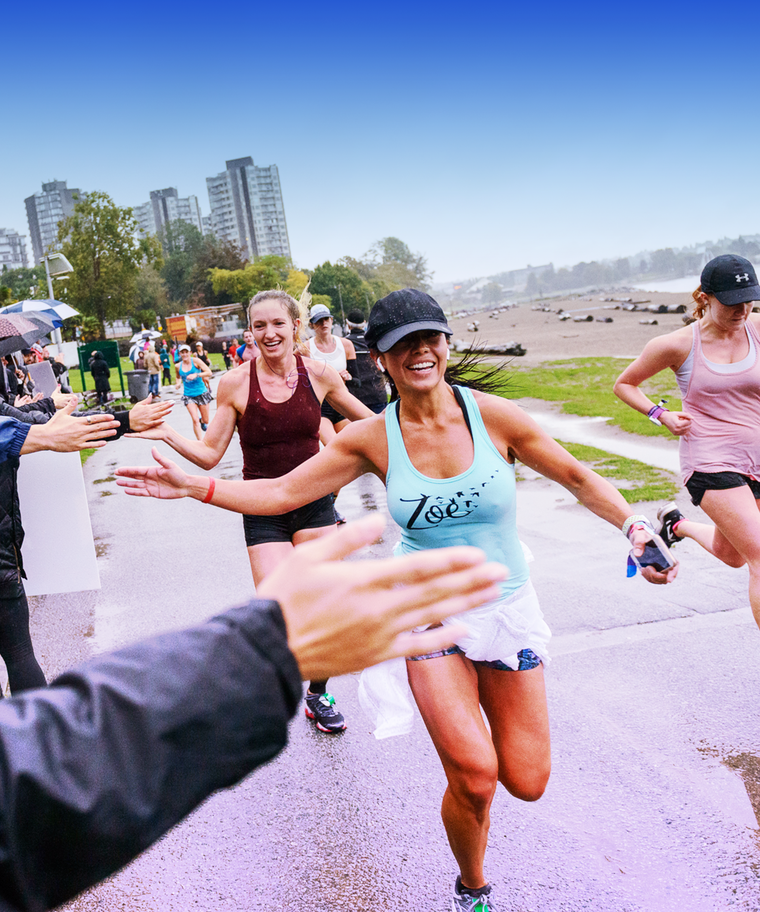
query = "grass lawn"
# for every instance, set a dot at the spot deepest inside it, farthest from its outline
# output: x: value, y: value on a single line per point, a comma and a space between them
x: 635, y: 480
x: 583, y: 386
x: 217, y: 364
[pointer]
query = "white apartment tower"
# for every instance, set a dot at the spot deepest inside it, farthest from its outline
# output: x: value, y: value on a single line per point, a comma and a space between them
x: 246, y: 208
x: 12, y: 249
x: 167, y: 206
x: 44, y: 211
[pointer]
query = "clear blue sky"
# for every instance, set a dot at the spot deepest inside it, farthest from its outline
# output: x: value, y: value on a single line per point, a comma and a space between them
x: 487, y: 136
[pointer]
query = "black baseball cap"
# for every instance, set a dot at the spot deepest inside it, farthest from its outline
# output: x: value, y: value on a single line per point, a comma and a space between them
x: 400, y: 313
x: 731, y: 279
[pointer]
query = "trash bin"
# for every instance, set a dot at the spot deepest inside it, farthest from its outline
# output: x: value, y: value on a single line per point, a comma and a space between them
x: 137, y: 384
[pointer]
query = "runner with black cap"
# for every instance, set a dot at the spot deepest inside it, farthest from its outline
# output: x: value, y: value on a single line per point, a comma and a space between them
x: 447, y: 456
x: 717, y: 368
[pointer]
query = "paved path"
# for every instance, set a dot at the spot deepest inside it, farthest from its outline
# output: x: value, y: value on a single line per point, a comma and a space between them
x: 653, y: 697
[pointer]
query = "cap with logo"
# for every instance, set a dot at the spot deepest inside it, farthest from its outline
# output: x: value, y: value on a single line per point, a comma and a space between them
x: 319, y: 312
x: 731, y: 279
x: 400, y: 313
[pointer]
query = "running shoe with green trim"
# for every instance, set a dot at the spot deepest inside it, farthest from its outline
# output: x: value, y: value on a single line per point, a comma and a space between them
x: 466, y: 902
x: 320, y: 708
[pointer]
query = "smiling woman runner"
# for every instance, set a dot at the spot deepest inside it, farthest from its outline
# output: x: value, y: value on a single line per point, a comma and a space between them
x: 447, y: 454
x: 274, y: 402
x: 717, y: 368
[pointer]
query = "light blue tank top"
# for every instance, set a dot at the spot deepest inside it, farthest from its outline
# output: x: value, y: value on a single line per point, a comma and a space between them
x: 195, y: 387
x: 474, y: 508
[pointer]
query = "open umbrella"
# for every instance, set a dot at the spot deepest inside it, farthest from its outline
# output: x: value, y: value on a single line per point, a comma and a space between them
x: 58, y: 308
x: 47, y: 321
x: 17, y: 332
x: 145, y: 334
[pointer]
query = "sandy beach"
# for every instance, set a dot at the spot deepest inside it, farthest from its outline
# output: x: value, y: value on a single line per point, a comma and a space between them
x: 547, y: 338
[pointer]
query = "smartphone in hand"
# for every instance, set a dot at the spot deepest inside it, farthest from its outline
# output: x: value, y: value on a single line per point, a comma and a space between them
x: 656, y: 554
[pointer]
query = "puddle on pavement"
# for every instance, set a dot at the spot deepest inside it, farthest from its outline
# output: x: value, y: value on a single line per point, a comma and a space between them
x: 748, y: 767
x: 595, y: 432
x: 104, y: 480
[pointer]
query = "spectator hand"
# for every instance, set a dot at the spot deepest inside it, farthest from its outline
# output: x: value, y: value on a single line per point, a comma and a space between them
x: 22, y: 400
x: 62, y: 399
x: 380, y: 600
x: 147, y: 415
x: 166, y: 482
x: 65, y: 434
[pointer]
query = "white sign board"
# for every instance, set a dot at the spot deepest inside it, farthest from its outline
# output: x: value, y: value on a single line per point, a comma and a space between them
x: 58, y: 551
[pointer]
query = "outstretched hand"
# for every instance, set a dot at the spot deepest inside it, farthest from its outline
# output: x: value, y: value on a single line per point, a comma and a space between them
x: 166, y: 481
x: 147, y: 416
x: 66, y: 434
x: 342, y: 616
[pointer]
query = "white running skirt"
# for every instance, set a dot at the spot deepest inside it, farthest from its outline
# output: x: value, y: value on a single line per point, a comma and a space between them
x: 498, y: 631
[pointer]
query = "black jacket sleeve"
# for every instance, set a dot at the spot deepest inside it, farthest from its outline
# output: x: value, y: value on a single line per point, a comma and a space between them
x: 98, y: 766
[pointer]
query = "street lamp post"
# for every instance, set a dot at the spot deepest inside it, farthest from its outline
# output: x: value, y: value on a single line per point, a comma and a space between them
x: 56, y: 264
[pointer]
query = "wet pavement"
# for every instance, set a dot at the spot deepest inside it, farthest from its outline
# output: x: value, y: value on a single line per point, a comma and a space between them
x: 653, y: 699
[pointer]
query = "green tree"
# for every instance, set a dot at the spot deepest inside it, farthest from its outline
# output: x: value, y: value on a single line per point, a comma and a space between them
x: 341, y: 283
x: 398, y: 260
x: 182, y: 244
x: 492, y: 293
x: 242, y: 284
x: 213, y: 254
x: 22, y: 280
x: 99, y: 240
x: 150, y: 292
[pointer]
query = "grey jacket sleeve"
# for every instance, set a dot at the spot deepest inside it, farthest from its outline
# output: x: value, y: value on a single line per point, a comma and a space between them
x: 32, y: 413
x: 99, y: 765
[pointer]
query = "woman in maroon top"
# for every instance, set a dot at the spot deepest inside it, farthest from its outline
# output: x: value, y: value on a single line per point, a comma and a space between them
x: 274, y: 401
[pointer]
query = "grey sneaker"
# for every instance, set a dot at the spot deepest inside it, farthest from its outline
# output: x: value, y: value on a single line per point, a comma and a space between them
x: 466, y: 902
x: 320, y: 708
x: 669, y: 515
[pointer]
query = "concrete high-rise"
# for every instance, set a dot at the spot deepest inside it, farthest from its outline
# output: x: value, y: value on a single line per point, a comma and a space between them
x: 167, y: 206
x: 44, y: 211
x: 12, y: 249
x: 247, y: 209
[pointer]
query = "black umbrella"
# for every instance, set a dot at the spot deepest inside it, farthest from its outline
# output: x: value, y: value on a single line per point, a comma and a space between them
x: 17, y: 331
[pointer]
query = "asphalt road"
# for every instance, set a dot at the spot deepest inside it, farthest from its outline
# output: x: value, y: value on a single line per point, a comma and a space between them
x: 653, y: 697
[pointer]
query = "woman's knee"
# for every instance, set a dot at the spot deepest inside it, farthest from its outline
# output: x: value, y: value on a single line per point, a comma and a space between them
x: 527, y: 784
x: 474, y: 784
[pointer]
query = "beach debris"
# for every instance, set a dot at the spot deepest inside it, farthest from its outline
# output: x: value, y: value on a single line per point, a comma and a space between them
x: 583, y: 318
x: 514, y: 349
x: 648, y: 322
x: 473, y: 327
x: 604, y: 320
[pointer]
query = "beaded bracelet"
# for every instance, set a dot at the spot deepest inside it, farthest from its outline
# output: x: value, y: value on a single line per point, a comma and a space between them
x: 634, y: 519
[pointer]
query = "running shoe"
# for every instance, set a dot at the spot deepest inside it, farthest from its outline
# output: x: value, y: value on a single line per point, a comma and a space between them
x: 320, y: 708
x: 467, y: 902
x: 669, y: 515
x: 204, y: 427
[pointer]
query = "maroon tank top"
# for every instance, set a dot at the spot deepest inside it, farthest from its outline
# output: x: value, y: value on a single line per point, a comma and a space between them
x: 278, y: 436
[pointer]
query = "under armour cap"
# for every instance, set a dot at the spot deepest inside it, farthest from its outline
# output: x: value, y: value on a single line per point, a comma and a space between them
x: 400, y: 313
x: 319, y: 312
x: 731, y: 279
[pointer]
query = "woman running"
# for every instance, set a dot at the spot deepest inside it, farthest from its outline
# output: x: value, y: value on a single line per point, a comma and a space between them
x: 274, y: 402
x: 717, y: 368
x: 337, y: 352
x: 192, y: 375
x: 446, y: 455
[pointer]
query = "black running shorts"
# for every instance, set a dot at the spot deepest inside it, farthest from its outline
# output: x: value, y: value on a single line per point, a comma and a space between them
x: 699, y: 482
x: 282, y: 528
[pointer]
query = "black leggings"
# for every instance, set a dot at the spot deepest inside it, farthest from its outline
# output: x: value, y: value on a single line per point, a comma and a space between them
x: 16, y: 648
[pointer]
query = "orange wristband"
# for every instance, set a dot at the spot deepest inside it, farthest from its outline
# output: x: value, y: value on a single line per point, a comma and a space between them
x: 210, y: 492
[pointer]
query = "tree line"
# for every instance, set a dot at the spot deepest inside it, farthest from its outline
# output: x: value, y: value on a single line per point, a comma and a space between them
x: 118, y: 275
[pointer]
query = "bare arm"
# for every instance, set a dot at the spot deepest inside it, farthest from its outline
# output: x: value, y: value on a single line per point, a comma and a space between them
x: 205, y: 453
x: 345, y: 459
x: 659, y: 354
x: 536, y: 449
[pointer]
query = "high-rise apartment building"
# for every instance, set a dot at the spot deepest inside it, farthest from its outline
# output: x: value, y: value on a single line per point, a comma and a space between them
x: 246, y: 208
x: 44, y: 211
x: 12, y: 249
x: 167, y: 206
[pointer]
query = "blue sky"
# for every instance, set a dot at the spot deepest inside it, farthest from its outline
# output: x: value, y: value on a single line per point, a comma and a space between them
x: 486, y: 136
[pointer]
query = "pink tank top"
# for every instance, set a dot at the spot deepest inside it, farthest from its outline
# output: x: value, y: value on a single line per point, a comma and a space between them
x: 725, y: 412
